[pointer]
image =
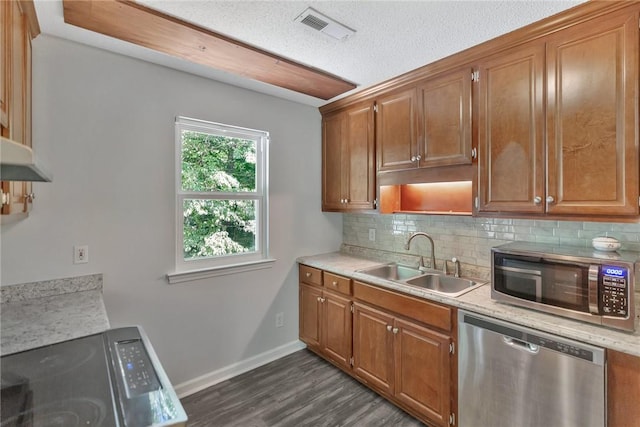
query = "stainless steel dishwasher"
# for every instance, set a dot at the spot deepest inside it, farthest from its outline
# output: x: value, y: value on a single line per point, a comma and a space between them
x: 510, y: 375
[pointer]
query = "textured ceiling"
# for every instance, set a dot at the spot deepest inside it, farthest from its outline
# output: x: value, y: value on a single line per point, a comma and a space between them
x: 392, y: 37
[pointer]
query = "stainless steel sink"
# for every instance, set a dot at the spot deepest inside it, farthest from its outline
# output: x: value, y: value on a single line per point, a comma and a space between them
x: 392, y: 271
x: 451, y: 286
x: 432, y: 280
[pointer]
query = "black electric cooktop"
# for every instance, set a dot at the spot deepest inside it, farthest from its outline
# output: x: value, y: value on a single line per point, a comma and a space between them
x: 109, y: 379
x: 65, y: 384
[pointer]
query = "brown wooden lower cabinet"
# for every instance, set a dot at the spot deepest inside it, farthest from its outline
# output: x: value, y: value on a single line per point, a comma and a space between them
x: 623, y: 389
x: 335, y: 340
x: 373, y: 347
x: 398, y: 345
x: 325, y: 316
x: 405, y: 361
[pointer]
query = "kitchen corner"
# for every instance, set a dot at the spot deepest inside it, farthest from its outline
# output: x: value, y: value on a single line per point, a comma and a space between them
x: 46, y: 312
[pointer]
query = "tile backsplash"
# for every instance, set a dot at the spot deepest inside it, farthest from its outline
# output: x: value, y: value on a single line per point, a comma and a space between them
x: 470, y: 238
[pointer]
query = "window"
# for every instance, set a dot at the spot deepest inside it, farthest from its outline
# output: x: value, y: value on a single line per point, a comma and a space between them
x: 221, y: 199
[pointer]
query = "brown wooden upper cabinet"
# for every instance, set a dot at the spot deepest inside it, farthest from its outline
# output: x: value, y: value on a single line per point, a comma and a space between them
x: 588, y: 163
x: 348, y: 159
x: 18, y: 26
x: 445, y: 114
x: 397, y: 130
x: 510, y: 131
x: 425, y: 125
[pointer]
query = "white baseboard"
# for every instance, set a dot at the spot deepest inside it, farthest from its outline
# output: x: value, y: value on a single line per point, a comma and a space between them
x: 207, y: 380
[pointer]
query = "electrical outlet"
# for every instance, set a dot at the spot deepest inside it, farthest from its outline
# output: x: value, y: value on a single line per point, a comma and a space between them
x: 372, y: 234
x: 279, y: 320
x: 81, y: 254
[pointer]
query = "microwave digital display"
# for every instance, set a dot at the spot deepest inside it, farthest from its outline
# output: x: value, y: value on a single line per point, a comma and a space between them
x: 614, y: 271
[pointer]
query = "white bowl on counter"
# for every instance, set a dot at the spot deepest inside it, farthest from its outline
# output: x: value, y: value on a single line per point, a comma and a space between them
x: 607, y: 244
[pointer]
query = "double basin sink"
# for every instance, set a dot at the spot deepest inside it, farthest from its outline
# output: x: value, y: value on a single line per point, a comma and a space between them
x: 432, y: 280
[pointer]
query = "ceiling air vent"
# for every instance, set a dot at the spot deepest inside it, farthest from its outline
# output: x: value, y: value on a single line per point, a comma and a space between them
x: 319, y: 22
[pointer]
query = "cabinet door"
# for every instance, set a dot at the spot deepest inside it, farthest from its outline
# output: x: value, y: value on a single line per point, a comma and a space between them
x: 5, y: 49
x: 396, y: 131
x: 592, y: 115
x: 19, y: 105
x: 446, y: 120
x: 333, y: 129
x: 623, y: 389
x: 373, y: 347
x: 422, y: 371
x: 336, y: 328
x: 359, y: 158
x: 510, y: 131
x: 310, y: 315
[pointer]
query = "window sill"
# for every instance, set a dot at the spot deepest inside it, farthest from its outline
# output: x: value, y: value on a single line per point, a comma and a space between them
x: 204, y: 273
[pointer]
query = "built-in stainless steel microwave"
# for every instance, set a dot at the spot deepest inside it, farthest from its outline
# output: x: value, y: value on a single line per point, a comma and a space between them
x: 579, y: 283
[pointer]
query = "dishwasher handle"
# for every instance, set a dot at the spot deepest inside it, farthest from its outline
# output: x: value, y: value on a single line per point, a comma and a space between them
x: 522, y: 345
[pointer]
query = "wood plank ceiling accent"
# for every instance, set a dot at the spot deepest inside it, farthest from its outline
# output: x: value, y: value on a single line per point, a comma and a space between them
x: 138, y: 24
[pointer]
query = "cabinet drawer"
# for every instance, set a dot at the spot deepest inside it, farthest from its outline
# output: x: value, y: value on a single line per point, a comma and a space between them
x: 337, y: 283
x: 427, y: 312
x: 310, y: 275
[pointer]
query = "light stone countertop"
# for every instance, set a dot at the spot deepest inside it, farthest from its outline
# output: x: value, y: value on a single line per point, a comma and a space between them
x: 43, y: 313
x: 479, y: 301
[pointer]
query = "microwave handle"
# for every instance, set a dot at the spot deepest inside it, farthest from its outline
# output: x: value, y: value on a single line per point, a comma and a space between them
x: 594, y: 273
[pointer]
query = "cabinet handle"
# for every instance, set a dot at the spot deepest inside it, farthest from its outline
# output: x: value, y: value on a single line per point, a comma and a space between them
x: 30, y: 197
x: 395, y: 330
x: 389, y: 328
x: 418, y: 157
x: 537, y: 200
x: 318, y: 299
x: 550, y: 199
x: 474, y: 153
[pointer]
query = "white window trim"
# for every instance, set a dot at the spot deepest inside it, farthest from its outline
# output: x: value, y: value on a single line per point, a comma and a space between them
x: 236, y: 263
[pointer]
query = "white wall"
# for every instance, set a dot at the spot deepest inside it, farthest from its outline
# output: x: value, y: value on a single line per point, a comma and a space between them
x: 104, y: 125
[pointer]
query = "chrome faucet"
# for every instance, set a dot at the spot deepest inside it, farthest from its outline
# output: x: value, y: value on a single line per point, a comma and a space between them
x: 433, y: 256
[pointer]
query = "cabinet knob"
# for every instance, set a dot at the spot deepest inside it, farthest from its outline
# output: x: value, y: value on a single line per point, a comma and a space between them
x: 418, y: 157
x: 395, y: 330
x: 474, y: 153
x: 389, y: 328
x: 334, y: 283
x: 413, y: 158
x: 550, y: 199
x: 308, y: 274
x: 537, y: 200
x: 318, y: 299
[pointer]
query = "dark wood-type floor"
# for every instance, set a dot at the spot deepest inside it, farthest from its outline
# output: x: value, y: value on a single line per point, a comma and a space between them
x: 298, y: 390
